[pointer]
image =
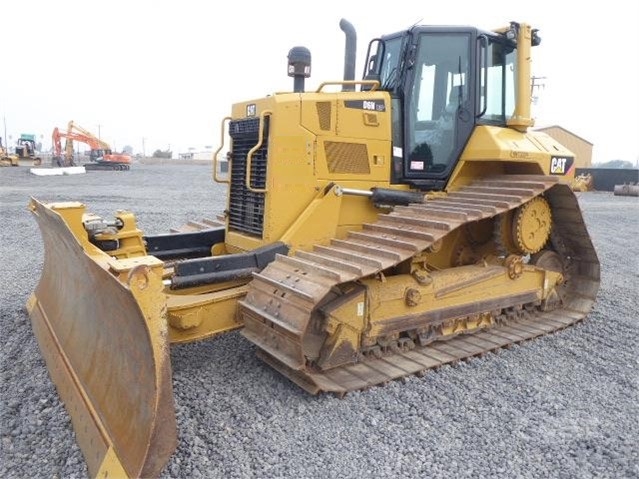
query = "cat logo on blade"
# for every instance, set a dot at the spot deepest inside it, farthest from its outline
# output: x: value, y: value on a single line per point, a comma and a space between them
x: 560, y: 165
x: 251, y: 109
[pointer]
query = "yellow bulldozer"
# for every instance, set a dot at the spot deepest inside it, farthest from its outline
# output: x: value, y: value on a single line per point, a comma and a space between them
x: 6, y: 159
x: 583, y: 183
x: 374, y: 229
x: 25, y: 149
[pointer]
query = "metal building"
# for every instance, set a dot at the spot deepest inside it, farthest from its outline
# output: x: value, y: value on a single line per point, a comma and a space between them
x: 580, y: 147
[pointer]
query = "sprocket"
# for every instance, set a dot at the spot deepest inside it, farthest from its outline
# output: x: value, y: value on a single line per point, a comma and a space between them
x: 532, y: 223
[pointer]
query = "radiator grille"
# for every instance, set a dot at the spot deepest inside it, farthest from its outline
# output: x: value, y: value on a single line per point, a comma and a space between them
x: 347, y: 157
x: 246, y: 208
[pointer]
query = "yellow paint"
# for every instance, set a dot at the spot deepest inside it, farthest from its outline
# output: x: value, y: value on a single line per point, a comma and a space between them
x: 521, y: 118
x: 193, y: 317
x: 493, y: 150
x: 452, y: 287
x: 307, y: 136
x: 111, y: 467
x: 344, y: 324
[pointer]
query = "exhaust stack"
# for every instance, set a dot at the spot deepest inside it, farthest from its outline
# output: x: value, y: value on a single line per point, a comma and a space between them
x: 350, y: 53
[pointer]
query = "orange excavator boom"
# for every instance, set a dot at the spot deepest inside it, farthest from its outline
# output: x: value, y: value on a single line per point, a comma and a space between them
x: 100, y: 150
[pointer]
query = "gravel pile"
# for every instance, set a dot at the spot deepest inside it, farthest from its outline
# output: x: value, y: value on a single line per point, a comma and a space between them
x: 561, y: 406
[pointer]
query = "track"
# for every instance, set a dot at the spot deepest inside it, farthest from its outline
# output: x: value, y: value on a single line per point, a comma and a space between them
x: 282, y: 298
x: 107, y: 166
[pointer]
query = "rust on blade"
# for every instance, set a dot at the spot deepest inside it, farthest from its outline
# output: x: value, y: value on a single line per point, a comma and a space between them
x: 106, y: 348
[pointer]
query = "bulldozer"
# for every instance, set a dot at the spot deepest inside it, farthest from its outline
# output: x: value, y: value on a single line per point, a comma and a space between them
x: 25, y: 150
x: 583, y: 183
x: 6, y: 159
x: 374, y: 229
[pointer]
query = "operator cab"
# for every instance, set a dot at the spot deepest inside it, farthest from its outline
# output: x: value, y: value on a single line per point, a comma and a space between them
x: 97, y: 155
x: 443, y: 82
x: 25, y: 147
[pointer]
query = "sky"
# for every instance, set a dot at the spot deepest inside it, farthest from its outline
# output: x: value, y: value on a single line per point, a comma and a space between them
x: 163, y: 74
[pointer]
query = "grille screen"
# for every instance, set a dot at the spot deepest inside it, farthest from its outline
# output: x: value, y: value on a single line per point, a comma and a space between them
x: 347, y: 157
x: 246, y: 208
x: 324, y: 114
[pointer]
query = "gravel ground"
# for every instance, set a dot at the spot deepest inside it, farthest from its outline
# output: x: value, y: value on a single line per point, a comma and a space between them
x: 561, y: 406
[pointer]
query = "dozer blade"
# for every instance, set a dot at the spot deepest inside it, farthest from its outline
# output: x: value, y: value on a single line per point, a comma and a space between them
x: 106, y: 348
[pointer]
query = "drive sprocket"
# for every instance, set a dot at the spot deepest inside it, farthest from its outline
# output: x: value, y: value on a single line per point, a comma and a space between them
x: 532, y: 223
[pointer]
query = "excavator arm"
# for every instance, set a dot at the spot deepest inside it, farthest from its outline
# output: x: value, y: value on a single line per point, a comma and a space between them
x: 100, y: 150
x: 87, y: 137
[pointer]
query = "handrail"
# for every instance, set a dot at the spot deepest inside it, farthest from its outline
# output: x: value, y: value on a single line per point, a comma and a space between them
x: 249, y: 155
x: 216, y: 178
x: 374, y: 84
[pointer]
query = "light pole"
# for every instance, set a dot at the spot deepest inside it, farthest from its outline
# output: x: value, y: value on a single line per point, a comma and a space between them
x: 143, y: 148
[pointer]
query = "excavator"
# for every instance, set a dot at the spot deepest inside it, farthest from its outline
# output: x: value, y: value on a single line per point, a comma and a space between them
x: 101, y: 155
x: 374, y: 229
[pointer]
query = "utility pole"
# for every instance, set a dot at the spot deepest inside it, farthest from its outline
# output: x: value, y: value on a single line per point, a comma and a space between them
x: 143, y: 148
x: 536, y: 84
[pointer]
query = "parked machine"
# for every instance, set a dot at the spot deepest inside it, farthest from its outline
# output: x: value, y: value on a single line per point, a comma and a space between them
x: 407, y: 220
x: 583, y: 183
x: 25, y: 149
x: 100, y: 155
x: 5, y: 158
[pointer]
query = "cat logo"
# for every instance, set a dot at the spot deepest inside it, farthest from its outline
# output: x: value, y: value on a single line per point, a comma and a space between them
x: 560, y: 165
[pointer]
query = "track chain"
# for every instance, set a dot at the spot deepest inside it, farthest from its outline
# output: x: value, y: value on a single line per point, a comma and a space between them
x: 282, y: 298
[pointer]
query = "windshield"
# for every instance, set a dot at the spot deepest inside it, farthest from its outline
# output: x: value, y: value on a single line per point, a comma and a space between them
x: 497, y: 92
x: 383, y: 65
x: 390, y: 62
